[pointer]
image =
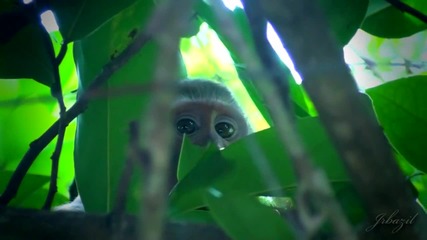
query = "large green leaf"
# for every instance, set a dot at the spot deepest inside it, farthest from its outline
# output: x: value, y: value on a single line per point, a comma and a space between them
x: 390, y: 22
x: 243, y: 217
x: 25, y: 50
x: 102, y: 134
x: 402, y: 112
x: 188, y: 193
x: 241, y: 166
x: 190, y: 156
x: 376, y: 6
x: 317, y: 144
x: 78, y: 18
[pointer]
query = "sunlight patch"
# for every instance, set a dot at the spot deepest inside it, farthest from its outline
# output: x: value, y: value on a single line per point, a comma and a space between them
x: 49, y: 21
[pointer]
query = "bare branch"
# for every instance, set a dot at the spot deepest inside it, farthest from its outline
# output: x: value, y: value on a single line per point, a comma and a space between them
x: 40, y: 225
x: 265, y: 73
x: 267, y: 55
x: 156, y: 138
x: 81, y: 104
x: 406, y: 8
x: 56, y: 90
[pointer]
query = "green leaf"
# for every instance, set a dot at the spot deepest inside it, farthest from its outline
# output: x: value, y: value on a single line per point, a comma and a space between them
x: 29, y: 186
x: 100, y: 148
x: 37, y: 199
x: 376, y: 6
x: 188, y: 193
x: 243, y: 217
x: 24, y: 47
x: 402, y: 112
x: 190, y: 155
x: 344, y: 17
x: 302, y: 103
x: 245, y: 163
x: 78, y: 18
x: 390, y: 22
x: 249, y: 161
x: 102, y: 134
x: 26, y: 111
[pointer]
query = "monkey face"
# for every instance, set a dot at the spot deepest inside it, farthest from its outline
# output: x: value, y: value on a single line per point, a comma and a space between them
x: 209, y: 122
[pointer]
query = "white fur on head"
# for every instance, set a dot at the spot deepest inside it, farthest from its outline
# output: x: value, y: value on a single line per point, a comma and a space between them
x: 200, y: 90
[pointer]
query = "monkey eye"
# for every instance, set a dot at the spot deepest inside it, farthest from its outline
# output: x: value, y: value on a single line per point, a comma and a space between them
x: 186, y: 126
x: 225, y: 129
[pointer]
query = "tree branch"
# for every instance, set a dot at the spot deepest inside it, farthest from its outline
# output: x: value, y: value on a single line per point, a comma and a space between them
x: 267, y: 55
x: 81, y: 104
x: 316, y: 185
x: 406, y: 8
x: 56, y: 91
x: 23, y: 224
x: 156, y: 133
x: 360, y: 141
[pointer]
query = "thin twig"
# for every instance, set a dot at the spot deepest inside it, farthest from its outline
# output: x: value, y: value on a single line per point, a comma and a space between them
x: 406, y: 8
x: 309, y: 176
x: 61, y: 54
x: 167, y: 25
x: 358, y: 138
x: 231, y: 32
x: 35, y: 148
x: 81, y: 104
x: 126, y: 175
x: 56, y: 91
x: 117, y: 217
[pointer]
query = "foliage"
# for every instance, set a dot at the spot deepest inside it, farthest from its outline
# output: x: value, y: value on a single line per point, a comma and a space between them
x: 382, y: 19
x: 225, y: 181
x: 399, y: 106
x: 106, y: 121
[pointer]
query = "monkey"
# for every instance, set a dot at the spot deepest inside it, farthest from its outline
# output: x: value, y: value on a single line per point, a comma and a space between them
x: 207, y: 113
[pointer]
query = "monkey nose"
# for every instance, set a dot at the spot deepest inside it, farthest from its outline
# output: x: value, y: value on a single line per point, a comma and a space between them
x: 220, y: 145
x: 219, y: 142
